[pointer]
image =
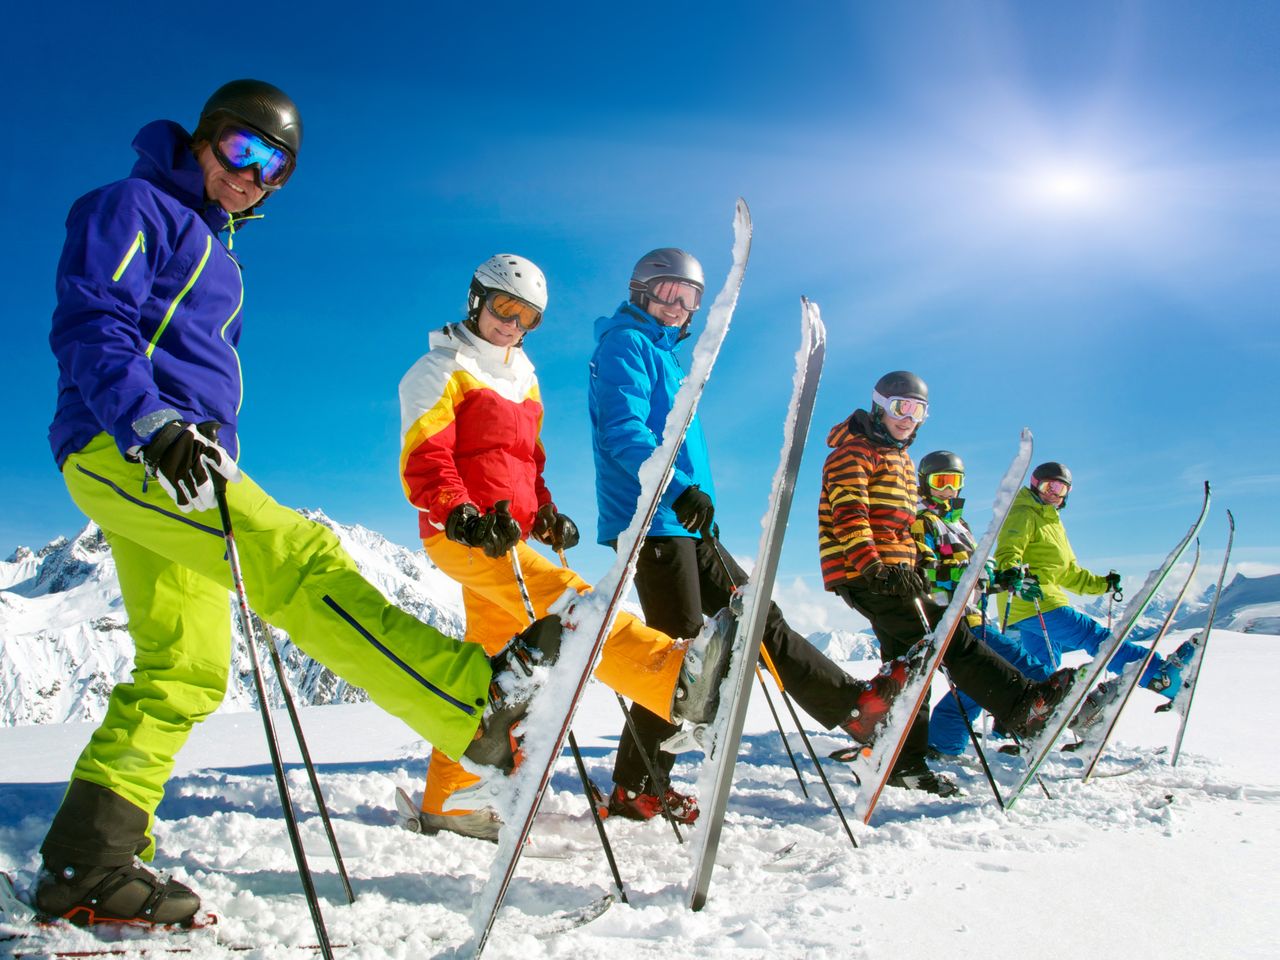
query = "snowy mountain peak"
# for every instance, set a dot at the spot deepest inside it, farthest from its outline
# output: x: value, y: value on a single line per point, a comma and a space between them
x: 65, y: 632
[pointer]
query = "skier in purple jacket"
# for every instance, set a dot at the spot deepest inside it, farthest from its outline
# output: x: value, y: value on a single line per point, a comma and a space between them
x: 145, y: 334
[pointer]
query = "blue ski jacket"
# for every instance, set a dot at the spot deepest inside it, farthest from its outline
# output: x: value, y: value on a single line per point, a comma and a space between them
x: 149, y: 299
x: 634, y: 379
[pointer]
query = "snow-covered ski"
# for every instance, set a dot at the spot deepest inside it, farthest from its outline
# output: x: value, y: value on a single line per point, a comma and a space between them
x: 1099, y: 734
x: 724, y: 734
x: 1182, y: 702
x: 588, y: 618
x: 1036, y: 749
x: 873, y: 765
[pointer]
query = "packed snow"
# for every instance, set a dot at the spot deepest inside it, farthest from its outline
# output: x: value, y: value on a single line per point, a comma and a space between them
x: 1157, y: 862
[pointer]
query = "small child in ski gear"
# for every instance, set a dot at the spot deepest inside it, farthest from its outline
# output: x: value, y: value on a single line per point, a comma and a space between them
x: 869, y: 555
x: 472, y: 463
x: 683, y: 572
x: 945, y: 542
x: 149, y: 389
x: 1035, y: 537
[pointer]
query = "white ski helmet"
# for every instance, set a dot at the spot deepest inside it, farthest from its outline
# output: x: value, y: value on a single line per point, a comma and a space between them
x: 511, y: 274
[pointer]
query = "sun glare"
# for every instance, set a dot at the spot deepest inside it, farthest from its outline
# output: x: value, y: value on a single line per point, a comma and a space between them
x: 1068, y: 188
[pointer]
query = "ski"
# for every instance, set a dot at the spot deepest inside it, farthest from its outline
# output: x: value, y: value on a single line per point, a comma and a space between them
x: 24, y: 933
x: 1099, y: 734
x: 1037, y: 748
x: 1181, y: 703
x: 724, y: 734
x: 588, y: 618
x: 872, y: 765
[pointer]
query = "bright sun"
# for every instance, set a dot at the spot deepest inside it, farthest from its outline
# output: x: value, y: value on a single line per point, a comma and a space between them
x: 1067, y: 188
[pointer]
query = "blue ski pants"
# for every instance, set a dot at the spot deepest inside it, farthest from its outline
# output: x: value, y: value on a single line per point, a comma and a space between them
x: 948, y: 732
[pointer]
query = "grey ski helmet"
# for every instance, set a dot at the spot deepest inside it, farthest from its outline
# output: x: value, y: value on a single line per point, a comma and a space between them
x: 258, y: 104
x: 940, y: 461
x: 664, y: 263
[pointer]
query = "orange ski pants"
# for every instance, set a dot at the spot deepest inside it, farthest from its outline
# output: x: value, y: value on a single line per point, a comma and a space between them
x: 638, y: 662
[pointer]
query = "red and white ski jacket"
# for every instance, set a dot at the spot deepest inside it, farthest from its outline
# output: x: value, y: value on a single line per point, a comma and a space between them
x: 470, y: 416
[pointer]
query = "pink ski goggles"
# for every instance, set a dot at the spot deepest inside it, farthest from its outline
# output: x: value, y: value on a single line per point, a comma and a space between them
x: 670, y: 292
x: 1054, y: 488
x: 902, y: 408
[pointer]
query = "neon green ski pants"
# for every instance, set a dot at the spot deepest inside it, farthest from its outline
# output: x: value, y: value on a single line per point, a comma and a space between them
x: 174, y: 577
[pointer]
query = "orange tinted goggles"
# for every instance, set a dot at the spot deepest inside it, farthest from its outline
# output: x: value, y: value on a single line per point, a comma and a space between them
x: 506, y: 307
x: 946, y: 481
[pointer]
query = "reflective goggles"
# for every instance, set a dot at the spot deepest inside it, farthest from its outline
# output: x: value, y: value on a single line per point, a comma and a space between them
x: 670, y: 292
x: 903, y: 408
x: 946, y: 481
x: 506, y: 307
x: 1054, y: 488
x: 239, y: 148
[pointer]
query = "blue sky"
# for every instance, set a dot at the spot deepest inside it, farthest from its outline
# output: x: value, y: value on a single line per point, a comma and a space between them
x: 1063, y: 216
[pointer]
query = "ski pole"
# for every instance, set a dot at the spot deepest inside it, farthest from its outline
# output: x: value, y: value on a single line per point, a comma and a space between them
x: 1054, y: 659
x: 573, y: 744
x: 660, y: 782
x: 777, y: 722
x: 311, y: 769
x: 795, y: 717
x: 273, y: 746
x: 782, y: 690
x: 964, y: 714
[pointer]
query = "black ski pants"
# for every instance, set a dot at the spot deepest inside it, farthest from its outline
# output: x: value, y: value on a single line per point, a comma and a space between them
x: 679, y: 579
x: 974, y: 667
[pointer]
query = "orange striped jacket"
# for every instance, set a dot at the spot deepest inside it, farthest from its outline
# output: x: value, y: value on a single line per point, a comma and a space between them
x: 867, y: 505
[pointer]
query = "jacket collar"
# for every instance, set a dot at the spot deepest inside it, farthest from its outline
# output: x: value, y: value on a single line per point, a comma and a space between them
x: 165, y: 160
x: 631, y: 316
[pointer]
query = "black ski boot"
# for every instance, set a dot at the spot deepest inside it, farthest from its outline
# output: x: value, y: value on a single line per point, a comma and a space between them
x: 86, y: 895
x: 1033, y: 709
x: 916, y: 775
x: 512, y: 688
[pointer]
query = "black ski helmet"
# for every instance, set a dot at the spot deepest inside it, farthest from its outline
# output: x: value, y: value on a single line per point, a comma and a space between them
x: 902, y: 383
x: 1051, y: 471
x: 665, y: 262
x: 940, y: 461
x: 262, y: 106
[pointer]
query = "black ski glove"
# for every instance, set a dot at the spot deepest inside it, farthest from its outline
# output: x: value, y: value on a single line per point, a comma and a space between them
x: 189, y: 464
x: 1113, y: 582
x: 694, y: 510
x: 554, y: 528
x: 494, y: 532
x: 894, y: 581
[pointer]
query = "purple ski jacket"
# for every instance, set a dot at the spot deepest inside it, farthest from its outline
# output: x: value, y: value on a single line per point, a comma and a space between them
x: 149, y: 299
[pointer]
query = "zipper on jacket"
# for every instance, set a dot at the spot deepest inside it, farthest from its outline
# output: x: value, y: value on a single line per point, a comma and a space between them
x: 139, y: 243
x: 191, y: 282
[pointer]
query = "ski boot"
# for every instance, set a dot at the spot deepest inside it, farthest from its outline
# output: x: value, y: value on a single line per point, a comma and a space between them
x: 130, y: 894
x: 1167, y: 680
x: 482, y: 824
x: 513, y: 687
x: 875, y: 699
x: 1099, y: 698
x: 916, y: 775
x: 642, y: 805
x: 1033, y: 709
x: 706, y: 663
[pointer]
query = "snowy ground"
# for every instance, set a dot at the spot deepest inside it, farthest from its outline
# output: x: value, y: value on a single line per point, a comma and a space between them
x: 1160, y: 862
